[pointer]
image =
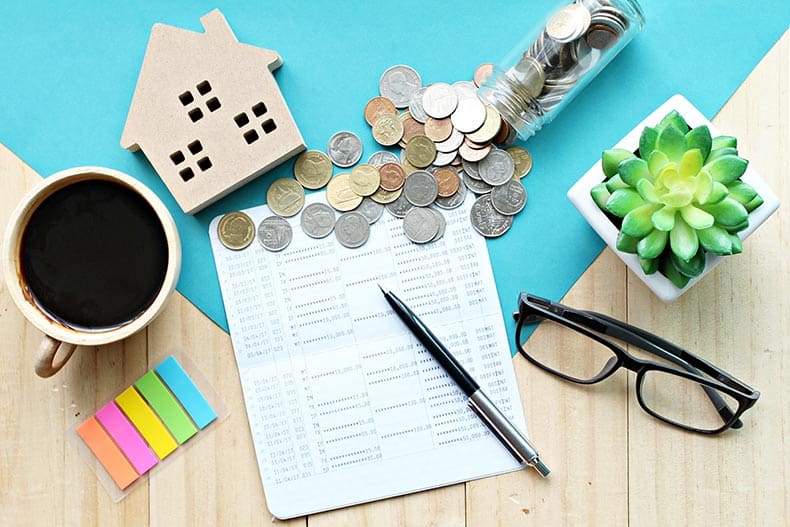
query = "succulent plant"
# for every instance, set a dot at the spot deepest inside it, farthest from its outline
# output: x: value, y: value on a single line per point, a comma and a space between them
x: 679, y: 196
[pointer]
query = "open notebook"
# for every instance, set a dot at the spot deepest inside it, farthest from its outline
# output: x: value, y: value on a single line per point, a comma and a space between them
x: 345, y: 406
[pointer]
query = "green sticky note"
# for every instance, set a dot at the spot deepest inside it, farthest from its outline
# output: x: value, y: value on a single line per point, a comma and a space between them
x: 166, y: 406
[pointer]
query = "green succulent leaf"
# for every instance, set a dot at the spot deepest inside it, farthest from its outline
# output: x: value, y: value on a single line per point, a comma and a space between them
x: 647, y: 191
x: 721, y: 152
x: 600, y: 195
x: 649, y: 266
x: 632, y: 170
x: 637, y: 223
x: 664, y: 218
x: 611, y: 158
x: 741, y: 192
x: 724, y: 141
x: 690, y: 163
x: 672, y: 142
x: 673, y: 118
x: 692, y: 268
x: 615, y: 182
x: 727, y: 212
x: 683, y: 240
x: 715, y: 240
x: 696, y: 218
x: 625, y: 243
x: 737, y: 245
x: 704, y: 187
x: 656, y: 162
x: 677, y: 199
x: 668, y: 269
x: 652, y: 245
x: 753, y: 204
x: 700, y: 139
x: 717, y: 193
x: 623, y: 200
x: 738, y: 228
x: 647, y: 142
x: 727, y: 169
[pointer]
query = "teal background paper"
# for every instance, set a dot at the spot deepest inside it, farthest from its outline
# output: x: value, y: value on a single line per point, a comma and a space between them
x: 70, y: 68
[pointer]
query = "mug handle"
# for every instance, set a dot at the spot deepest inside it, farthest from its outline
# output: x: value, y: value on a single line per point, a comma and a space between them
x: 46, y: 354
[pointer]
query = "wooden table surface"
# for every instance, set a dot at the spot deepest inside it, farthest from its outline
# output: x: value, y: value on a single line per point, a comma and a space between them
x: 612, y: 463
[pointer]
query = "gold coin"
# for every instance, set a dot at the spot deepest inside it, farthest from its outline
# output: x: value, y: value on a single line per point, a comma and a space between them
x: 377, y: 107
x: 313, y: 169
x: 420, y: 151
x: 340, y: 195
x: 364, y: 180
x: 408, y: 168
x: 522, y: 160
x: 392, y: 176
x: 285, y: 197
x: 438, y: 130
x: 490, y: 127
x: 236, y: 230
x: 386, y: 196
x: 448, y: 180
x: 387, y: 130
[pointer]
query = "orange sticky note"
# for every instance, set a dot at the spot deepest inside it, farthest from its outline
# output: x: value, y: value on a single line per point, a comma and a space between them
x: 107, y: 452
x: 146, y: 422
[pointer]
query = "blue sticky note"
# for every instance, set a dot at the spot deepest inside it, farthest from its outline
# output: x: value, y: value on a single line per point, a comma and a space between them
x: 190, y: 397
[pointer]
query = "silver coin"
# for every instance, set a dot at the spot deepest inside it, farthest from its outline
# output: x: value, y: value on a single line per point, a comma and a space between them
x: 486, y: 220
x: 399, y: 207
x: 439, y: 100
x: 442, y: 160
x: 398, y: 84
x: 496, y: 168
x: 529, y: 74
x: 454, y: 201
x: 371, y: 210
x: 382, y: 157
x: 465, y: 89
x: 470, y: 167
x: 469, y: 115
x: 509, y: 199
x: 420, y: 225
x: 569, y: 23
x: 317, y: 220
x: 275, y: 233
x: 344, y: 149
x: 451, y: 143
x: 421, y: 188
x: 442, y: 224
x: 352, y: 229
x: 415, y: 107
x: 475, y: 185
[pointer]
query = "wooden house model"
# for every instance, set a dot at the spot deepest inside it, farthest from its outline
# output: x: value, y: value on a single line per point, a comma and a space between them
x: 207, y: 112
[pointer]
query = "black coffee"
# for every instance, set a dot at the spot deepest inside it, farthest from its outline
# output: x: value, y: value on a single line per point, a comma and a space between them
x: 94, y: 254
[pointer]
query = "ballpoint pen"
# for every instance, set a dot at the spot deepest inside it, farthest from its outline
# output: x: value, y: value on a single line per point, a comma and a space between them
x: 518, y: 445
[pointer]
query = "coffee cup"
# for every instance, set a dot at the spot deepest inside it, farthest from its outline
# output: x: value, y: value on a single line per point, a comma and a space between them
x: 90, y: 256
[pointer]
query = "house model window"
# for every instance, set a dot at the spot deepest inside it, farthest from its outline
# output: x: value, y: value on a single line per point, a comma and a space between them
x: 207, y: 112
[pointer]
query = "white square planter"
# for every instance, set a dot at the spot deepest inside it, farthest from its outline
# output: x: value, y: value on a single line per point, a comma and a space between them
x: 579, y: 195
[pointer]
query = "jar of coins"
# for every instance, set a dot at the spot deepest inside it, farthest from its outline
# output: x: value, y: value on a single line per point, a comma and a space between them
x: 557, y: 59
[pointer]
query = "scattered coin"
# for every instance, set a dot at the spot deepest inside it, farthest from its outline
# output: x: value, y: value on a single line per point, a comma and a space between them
x: 452, y: 143
x: 469, y: 115
x: 285, y: 197
x: 398, y: 84
x: 509, y: 199
x: 382, y: 157
x: 444, y: 158
x: 371, y: 210
x: 439, y: 100
x: 386, y: 196
x: 470, y: 168
x: 340, y: 195
x: 275, y: 233
x: 420, y: 189
x: 399, y: 207
x: 420, y: 225
x: 378, y: 106
x: 437, y: 130
x: 442, y: 224
x: 453, y: 201
x: 476, y: 186
x: 486, y: 220
x: 317, y: 220
x: 415, y: 106
x: 392, y: 176
x: 522, y: 160
x: 364, y: 180
x: 482, y: 73
x: 388, y: 129
x: 344, y: 149
x: 490, y: 126
x: 411, y: 127
x: 236, y: 230
x: 448, y: 181
x: 352, y: 229
x: 313, y: 169
x: 420, y: 151
x: 474, y: 155
x: 496, y: 168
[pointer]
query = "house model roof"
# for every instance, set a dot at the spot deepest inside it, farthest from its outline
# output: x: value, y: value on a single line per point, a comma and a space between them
x: 207, y: 112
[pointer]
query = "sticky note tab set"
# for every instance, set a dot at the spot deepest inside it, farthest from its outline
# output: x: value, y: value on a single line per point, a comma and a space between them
x: 146, y: 423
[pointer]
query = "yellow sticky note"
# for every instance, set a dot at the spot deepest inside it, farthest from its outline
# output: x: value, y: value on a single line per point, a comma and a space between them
x: 146, y: 422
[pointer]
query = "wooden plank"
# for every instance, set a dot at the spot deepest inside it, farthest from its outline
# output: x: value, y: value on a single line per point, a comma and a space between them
x: 739, y: 319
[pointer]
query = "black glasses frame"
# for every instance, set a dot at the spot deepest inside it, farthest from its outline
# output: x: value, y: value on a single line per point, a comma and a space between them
x: 532, y: 309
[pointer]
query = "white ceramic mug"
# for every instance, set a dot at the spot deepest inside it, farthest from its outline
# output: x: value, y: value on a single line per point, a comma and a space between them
x: 60, y: 340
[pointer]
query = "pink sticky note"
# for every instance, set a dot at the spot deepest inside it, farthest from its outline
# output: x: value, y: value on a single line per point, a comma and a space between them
x: 127, y: 437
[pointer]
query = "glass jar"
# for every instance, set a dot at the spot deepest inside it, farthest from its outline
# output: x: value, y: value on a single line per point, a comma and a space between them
x: 556, y: 60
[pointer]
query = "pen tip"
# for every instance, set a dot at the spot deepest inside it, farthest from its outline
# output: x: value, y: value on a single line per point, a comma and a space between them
x: 383, y: 289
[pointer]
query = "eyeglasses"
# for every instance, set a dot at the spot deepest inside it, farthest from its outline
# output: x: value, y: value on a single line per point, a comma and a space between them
x: 684, y: 390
